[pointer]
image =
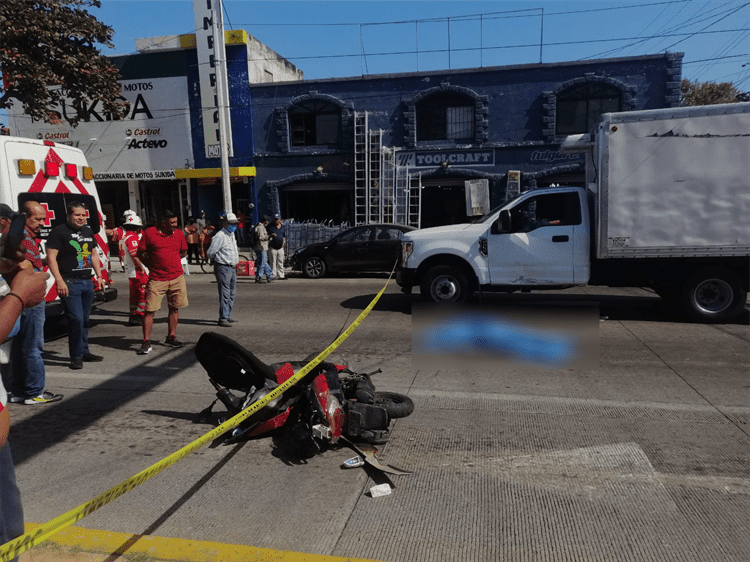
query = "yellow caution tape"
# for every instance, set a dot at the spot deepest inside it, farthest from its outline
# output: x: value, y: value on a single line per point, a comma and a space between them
x: 21, y: 544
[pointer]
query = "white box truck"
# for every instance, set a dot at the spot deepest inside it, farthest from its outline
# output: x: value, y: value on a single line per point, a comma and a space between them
x: 666, y: 206
x: 53, y: 174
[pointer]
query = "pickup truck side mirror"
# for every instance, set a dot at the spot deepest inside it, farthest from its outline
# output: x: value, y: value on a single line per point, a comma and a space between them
x: 503, y: 223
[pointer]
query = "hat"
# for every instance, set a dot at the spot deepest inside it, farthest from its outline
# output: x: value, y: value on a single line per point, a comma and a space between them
x: 133, y: 220
x: 6, y: 212
x: 277, y: 216
x: 232, y: 218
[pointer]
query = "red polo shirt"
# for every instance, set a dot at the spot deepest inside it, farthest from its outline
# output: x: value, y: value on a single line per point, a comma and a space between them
x: 163, y: 252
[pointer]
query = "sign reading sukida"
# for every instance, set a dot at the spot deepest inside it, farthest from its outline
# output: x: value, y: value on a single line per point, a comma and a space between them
x: 210, y: 45
x: 155, y: 134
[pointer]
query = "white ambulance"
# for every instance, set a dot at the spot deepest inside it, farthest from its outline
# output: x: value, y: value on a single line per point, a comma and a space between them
x: 53, y: 174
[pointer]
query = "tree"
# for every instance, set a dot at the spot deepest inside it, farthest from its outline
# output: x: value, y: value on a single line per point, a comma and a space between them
x: 48, y: 53
x: 708, y: 93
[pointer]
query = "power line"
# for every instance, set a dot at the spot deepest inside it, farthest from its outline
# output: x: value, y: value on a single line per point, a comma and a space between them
x: 523, y: 46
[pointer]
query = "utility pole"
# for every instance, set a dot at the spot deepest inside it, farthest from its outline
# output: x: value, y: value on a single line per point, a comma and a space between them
x: 222, y: 94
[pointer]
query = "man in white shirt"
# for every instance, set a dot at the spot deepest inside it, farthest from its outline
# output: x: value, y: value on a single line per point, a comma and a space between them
x: 223, y: 251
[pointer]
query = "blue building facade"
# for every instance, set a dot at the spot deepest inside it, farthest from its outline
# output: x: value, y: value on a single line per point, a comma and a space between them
x: 416, y: 148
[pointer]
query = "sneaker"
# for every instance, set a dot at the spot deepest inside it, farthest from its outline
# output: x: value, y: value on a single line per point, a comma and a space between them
x: 171, y: 341
x: 145, y: 347
x: 231, y: 320
x: 13, y: 399
x: 44, y: 398
x: 76, y: 364
x: 258, y: 280
x: 136, y: 320
x: 225, y: 324
x: 91, y: 358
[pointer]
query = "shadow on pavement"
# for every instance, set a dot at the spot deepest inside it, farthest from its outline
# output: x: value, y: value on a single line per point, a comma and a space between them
x: 60, y: 420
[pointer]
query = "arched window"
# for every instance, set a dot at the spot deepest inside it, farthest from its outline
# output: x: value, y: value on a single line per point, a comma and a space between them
x: 580, y: 107
x: 446, y: 116
x: 315, y: 122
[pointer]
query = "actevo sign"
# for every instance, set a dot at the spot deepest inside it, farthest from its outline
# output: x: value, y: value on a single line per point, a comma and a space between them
x: 209, y: 39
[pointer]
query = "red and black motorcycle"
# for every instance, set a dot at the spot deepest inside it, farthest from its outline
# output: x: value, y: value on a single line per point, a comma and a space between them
x: 329, y: 404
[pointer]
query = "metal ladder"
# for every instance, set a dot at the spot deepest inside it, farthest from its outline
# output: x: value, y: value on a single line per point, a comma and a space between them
x: 361, y: 169
x: 383, y: 191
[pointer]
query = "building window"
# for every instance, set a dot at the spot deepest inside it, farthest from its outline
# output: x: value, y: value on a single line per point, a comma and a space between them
x: 580, y: 107
x: 314, y: 123
x: 445, y: 116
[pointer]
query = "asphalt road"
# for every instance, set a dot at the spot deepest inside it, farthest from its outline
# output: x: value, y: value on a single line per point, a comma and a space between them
x: 643, y: 456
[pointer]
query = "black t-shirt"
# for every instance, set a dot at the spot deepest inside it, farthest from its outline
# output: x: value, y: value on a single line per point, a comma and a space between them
x: 74, y: 246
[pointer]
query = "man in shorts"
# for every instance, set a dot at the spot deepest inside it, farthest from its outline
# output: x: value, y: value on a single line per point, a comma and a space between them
x: 162, y: 248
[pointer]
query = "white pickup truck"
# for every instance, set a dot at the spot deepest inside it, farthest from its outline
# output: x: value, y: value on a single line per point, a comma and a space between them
x: 666, y: 206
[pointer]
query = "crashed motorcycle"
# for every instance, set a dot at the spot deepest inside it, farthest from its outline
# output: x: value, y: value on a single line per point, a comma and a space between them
x: 328, y: 405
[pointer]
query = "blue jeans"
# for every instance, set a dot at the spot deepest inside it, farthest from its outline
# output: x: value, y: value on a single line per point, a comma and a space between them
x: 31, y: 340
x: 226, y: 279
x: 78, y: 305
x: 11, y: 511
x: 261, y: 265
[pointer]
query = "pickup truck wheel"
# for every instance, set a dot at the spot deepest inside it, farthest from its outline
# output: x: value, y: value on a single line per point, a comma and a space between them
x: 445, y: 284
x: 314, y: 267
x: 713, y: 296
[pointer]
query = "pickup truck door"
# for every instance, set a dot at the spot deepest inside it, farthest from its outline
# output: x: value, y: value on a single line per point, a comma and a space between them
x: 539, y: 248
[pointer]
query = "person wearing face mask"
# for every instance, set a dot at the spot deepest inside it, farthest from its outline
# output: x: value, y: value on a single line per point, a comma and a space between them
x: 223, y: 251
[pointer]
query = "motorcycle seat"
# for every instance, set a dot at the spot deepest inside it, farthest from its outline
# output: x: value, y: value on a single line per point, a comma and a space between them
x: 230, y: 364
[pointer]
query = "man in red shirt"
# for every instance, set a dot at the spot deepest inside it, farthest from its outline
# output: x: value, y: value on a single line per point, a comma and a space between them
x: 162, y: 248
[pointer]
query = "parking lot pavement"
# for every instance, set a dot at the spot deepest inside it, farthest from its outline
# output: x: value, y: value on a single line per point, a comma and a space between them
x: 644, y: 457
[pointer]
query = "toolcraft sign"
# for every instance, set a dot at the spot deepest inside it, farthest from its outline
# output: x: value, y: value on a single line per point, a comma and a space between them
x: 452, y: 157
x: 154, y: 135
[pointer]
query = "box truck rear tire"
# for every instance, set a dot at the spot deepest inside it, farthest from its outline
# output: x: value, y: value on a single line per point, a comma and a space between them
x: 713, y: 296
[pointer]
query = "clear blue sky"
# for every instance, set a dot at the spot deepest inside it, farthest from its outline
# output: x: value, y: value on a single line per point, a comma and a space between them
x: 354, y: 38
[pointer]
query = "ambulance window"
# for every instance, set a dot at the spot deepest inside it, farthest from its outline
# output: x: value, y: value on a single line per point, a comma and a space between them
x: 56, y: 207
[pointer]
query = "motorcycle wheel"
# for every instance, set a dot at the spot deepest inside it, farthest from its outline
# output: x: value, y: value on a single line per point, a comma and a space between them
x: 397, y: 405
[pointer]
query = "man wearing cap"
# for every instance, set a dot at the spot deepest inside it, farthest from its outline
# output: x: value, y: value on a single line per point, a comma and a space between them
x: 261, y: 252
x: 134, y: 268
x: 277, y: 234
x: 223, y: 251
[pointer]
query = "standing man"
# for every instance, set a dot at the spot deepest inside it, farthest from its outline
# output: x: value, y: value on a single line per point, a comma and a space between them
x: 135, y: 270
x: 29, y: 375
x: 276, y: 244
x: 73, y: 261
x: 162, y: 248
x: 223, y: 251
x: 193, y: 237
x: 261, y: 252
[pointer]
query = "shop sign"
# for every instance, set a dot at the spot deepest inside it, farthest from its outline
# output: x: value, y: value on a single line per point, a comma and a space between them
x: 143, y: 175
x: 155, y: 134
x: 209, y: 40
x: 430, y: 159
